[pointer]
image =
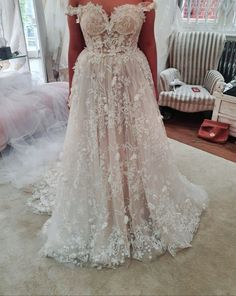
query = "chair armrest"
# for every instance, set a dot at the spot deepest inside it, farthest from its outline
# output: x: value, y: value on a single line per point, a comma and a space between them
x: 214, y: 81
x: 167, y: 76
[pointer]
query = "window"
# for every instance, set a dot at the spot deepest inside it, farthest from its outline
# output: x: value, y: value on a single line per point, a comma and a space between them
x: 217, y: 15
x: 200, y: 10
x: 30, y: 26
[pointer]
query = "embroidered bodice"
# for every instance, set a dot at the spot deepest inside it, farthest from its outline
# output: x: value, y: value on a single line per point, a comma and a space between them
x: 118, y: 32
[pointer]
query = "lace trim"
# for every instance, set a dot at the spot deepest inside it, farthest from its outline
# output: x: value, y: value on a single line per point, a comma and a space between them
x: 75, y: 10
x: 147, y: 6
x: 82, y: 252
x: 72, y: 10
x: 147, y: 241
x: 44, y: 193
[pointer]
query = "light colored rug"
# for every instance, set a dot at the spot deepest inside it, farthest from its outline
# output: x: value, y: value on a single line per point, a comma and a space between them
x: 208, y: 268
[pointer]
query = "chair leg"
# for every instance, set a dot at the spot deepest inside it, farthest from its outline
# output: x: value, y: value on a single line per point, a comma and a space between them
x: 166, y: 112
x: 207, y: 114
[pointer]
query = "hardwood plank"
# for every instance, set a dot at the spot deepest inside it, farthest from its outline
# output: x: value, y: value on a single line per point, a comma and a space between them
x: 183, y: 127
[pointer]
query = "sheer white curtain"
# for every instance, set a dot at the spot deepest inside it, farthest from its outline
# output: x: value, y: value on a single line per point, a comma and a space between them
x: 168, y: 20
x: 12, y: 25
x: 57, y: 38
x: 13, y: 33
x: 226, y: 15
x: 7, y: 9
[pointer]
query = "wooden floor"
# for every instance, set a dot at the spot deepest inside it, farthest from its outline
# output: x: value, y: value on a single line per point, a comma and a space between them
x: 183, y: 127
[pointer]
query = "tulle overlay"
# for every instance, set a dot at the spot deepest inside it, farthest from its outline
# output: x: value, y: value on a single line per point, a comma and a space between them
x: 33, y: 120
x: 117, y: 192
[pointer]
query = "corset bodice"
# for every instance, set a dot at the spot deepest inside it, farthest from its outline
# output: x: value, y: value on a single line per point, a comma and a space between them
x: 118, y: 32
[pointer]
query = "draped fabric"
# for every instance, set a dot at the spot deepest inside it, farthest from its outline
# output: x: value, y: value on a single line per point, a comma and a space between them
x: 168, y: 21
x: 12, y: 32
x: 58, y: 39
x: 33, y: 121
x: 226, y: 15
x: 12, y: 25
x: 7, y: 9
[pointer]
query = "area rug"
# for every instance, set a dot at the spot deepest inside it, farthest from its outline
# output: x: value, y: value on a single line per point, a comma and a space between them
x: 208, y: 268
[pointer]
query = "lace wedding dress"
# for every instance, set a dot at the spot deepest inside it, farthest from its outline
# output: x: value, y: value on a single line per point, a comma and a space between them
x: 118, y: 193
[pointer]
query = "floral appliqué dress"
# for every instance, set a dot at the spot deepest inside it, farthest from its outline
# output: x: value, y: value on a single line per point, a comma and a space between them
x: 118, y: 192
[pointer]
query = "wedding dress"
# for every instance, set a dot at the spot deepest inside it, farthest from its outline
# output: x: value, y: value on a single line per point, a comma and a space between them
x: 118, y: 193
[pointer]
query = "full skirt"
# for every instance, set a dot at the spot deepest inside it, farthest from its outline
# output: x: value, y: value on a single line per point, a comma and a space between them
x: 117, y: 192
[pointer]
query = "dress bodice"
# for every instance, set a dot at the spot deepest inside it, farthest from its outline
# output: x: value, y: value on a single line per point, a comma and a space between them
x: 118, y: 32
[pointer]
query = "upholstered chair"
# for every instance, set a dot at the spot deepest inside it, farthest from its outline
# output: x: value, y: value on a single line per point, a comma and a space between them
x: 193, y: 60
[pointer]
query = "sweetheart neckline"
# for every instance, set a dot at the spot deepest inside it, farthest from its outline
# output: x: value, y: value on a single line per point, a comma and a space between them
x: 114, y: 9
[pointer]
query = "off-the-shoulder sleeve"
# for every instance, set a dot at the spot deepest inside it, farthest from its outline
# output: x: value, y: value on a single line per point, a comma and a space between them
x: 148, y: 6
x: 72, y: 10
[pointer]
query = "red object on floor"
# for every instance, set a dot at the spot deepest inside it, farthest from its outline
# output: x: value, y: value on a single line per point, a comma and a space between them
x: 214, y: 131
x: 183, y: 127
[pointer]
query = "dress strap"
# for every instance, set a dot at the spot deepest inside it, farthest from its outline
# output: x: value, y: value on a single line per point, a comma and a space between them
x: 147, y: 5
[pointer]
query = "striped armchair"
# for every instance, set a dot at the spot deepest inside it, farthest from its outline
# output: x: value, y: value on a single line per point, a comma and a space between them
x: 193, y: 59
